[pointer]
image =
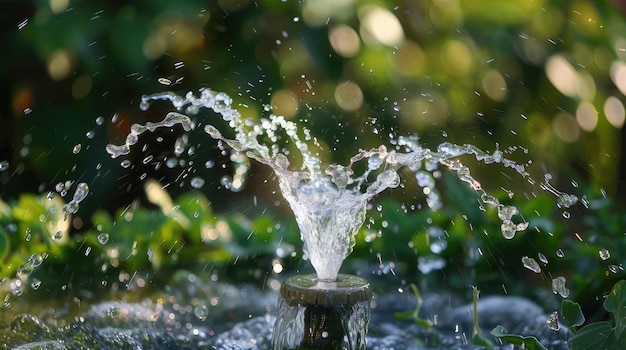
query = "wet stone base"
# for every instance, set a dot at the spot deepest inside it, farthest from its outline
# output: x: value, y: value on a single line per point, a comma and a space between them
x: 244, y: 318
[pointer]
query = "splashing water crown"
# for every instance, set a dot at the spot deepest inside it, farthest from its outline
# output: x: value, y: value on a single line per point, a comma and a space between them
x: 330, y: 205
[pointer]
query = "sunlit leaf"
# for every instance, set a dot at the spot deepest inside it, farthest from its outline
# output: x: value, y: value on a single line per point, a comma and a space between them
x: 28, y: 209
x: 4, y: 244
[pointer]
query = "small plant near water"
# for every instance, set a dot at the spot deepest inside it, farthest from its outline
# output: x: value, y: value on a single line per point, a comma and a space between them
x: 603, y: 334
x: 184, y: 233
x: 413, y: 315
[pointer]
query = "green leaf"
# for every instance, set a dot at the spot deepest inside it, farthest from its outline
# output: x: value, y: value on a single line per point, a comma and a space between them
x: 572, y: 314
x: 614, y: 303
x: 615, y: 300
x: 594, y: 336
x: 529, y: 343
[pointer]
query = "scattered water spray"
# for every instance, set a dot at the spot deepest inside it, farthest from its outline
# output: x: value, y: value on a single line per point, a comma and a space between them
x: 330, y: 204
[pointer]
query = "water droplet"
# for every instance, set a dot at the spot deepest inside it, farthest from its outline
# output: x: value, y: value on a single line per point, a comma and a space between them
x: 171, y: 163
x: 560, y: 253
x: 24, y: 270
x: 542, y: 258
x: 553, y: 321
x: 197, y: 182
x: 201, y: 312
x: 147, y: 160
x: 16, y: 288
x: 613, y: 268
x: 165, y: 81
x: 57, y: 236
x: 4, y: 165
x: 438, y: 246
x: 35, y: 260
x: 99, y: 120
x: 35, y: 284
x: 531, y: 264
x: 508, y: 229
x: 209, y: 164
x: 125, y: 163
x: 558, y: 287
x: 90, y: 134
x: 226, y: 181
x: 604, y: 254
x: 76, y: 148
x: 103, y: 238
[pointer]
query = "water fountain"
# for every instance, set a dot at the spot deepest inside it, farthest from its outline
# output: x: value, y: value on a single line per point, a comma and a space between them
x: 328, y: 309
x: 420, y: 70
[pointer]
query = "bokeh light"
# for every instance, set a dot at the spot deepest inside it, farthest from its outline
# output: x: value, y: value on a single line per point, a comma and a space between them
x: 379, y: 26
x: 587, y: 116
x: 614, y: 111
x: 344, y: 40
x: 562, y: 75
x: 494, y: 85
x: 565, y: 127
x: 59, y: 64
x: 285, y: 103
x: 348, y: 96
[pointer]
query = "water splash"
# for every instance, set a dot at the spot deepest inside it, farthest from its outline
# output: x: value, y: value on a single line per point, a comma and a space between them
x: 82, y: 190
x: 558, y: 286
x: 531, y: 264
x: 330, y: 204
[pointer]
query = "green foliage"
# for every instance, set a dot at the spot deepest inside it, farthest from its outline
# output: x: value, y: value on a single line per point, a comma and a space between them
x: 529, y: 343
x: 414, y: 314
x: 572, y: 314
x: 598, y: 335
x: 184, y: 233
x: 31, y: 226
x: 603, y: 334
x: 432, y: 337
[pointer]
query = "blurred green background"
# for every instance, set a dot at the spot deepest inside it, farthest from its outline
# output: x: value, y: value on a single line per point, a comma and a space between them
x: 545, y: 76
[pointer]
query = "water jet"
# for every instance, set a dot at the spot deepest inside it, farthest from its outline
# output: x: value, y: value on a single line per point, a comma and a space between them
x: 327, y: 310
